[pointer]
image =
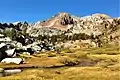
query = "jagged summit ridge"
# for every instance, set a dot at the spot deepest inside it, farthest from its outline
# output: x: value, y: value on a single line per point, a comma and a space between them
x: 63, y: 19
x: 59, y: 21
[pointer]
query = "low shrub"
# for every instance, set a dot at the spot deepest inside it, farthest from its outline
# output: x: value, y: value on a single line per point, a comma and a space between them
x: 69, y: 61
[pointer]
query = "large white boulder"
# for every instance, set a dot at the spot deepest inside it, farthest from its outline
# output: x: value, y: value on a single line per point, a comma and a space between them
x: 36, y: 48
x: 10, y: 52
x: 1, y: 35
x: 6, y: 39
x: 2, y: 45
x: 12, y: 60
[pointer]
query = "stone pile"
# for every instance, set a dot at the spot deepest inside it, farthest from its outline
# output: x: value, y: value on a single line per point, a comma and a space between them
x: 9, y: 49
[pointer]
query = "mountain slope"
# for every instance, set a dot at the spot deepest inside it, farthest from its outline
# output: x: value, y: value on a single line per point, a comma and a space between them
x: 66, y: 26
x: 95, y: 23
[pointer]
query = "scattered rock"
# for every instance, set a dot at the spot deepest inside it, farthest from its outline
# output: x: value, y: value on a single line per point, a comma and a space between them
x: 1, y: 70
x: 26, y: 53
x: 12, y: 71
x: 12, y: 60
x: 2, y: 45
x: 10, y: 52
x: 2, y: 53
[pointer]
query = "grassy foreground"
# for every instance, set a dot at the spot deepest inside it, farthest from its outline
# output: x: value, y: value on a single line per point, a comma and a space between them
x: 76, y: 64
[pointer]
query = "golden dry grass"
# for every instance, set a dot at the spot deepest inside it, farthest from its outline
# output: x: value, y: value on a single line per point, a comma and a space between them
x: 72, y: 73
x: 107, y: 67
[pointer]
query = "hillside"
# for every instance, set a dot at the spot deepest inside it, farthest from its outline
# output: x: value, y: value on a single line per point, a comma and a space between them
x: 66, y: 26
x: 61, y: 47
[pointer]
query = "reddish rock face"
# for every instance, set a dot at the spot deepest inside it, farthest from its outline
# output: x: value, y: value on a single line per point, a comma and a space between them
x: 63, y: 20
x: 59, y: 21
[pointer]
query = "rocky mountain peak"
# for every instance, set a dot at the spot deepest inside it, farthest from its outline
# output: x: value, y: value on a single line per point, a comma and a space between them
x: 62, y: 14
x: 65, y: 18
x: 59, y: 21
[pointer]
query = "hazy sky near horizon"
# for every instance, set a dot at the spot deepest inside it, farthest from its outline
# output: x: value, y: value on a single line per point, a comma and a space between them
x: 34, y: 10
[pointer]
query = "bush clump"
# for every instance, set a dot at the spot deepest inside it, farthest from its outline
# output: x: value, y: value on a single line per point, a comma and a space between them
x: 69, y: 61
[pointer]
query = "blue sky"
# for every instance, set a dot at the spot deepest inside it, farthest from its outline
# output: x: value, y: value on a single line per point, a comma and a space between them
x: 34, y: 10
